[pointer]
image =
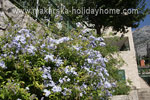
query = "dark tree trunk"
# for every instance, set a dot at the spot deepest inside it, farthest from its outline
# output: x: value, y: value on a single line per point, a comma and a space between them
x: 1, y: 5
x: 98, y: 30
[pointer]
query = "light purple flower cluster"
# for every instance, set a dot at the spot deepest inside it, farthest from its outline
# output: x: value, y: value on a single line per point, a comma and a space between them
x: 65, y: 79
x: 70, y: 70
x: 47, y: 92
x: 57, y: 61
x: 56, y: 89
x: 58, y: 41
x: 94, y: 61
x: 27, y: 42
x: 23, y: 42
x: 2, y: 64
x: 49, y: 82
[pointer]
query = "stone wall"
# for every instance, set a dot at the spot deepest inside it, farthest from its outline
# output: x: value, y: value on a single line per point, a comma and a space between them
x: 133, y: 95
x: 10, y: 13
x: 141, y: 94
x: 129, y: 57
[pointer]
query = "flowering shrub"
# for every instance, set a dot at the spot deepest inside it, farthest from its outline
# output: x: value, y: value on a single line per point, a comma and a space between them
x: 44, y: 68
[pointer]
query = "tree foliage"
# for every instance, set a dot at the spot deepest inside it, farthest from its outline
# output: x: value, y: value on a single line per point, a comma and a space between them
x: 119, y: 22
x: 101, y: 21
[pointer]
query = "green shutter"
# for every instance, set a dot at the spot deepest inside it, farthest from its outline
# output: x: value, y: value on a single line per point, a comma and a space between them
x: 122, y: 74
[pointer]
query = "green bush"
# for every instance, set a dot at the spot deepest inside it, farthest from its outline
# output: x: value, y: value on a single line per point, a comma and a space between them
x: 37, y: 66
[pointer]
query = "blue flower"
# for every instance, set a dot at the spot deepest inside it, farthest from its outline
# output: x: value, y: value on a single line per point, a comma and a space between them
x: 44, y: 76
x: 113, y: 84
x: 90, y: 61
x: 100, y: 39
x: 2, y: 64
x: 47, y: 92
x: 56, y: 89
x: 59, y: 62
x: 107, y: 84
x: 81, y: 94
x: 20, y: 38
x: 77, y: 48
x: 59, y: 25
x: 68, y: 79
x: 31, y: 49
x: 85, y: 31
x: 23, y: 31
x: 102, y: 44
x: 50, y: 83
x: 84, y: 86
x: 43, y: 45
x: 27, y: 88
x: 61, y: 80
x: 108, y: 93
x: 79, y: 25
x: 67, y: 70
x: 63, y: 39
x: 49, y: 57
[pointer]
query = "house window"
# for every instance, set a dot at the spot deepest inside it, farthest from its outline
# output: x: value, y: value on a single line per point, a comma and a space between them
x: 122, y: 44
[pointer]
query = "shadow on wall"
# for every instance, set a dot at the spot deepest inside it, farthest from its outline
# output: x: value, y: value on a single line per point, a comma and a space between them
x: 122, y: 44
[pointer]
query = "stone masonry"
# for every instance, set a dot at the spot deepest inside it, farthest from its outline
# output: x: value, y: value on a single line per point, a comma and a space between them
x: 10, y: 13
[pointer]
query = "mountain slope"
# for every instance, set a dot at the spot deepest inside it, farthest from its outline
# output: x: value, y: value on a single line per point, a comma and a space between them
x: 141, y: 37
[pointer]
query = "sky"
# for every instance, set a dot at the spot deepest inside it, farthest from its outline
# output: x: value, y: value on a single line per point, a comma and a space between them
x: 146, y: 21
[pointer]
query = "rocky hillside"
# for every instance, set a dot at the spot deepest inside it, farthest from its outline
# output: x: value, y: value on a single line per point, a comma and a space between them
x: 141, y: 38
